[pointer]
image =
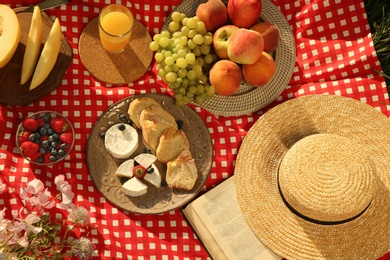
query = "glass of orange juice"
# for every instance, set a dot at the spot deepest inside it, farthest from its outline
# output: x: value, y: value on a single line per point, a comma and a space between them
x: 115, y: 27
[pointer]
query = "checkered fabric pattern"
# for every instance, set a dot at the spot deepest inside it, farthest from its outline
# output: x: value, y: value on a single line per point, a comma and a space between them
x: 335, y: 55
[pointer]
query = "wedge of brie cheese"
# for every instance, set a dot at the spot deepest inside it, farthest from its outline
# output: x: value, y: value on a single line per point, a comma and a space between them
x: 121, y: 140
x: 154, y: 178
x: 134, y: 187
x: 125, y: 169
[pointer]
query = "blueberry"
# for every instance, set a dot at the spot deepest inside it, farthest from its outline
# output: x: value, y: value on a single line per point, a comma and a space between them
x: 50, y: 131
x: 43, y: 131
x: 123, y: 117
x: 163, y: 183
x: 47, y: 117
x: 46, y: 126
x: 179, y: 123
x: 129, y: 122
x: 61, y: 152
x: 63, y: 146
x: 147, y: 150
x: 53, y: 158
x: 54, y: 144
x: 56, y: 136
x: 32, y: 137
x: 150, y: 170
x: 45, y: 144
x: 40, y: 159
x: 102, y: 135
x: 122, y: 127
x: 54, y: 151
x: 42, y: 150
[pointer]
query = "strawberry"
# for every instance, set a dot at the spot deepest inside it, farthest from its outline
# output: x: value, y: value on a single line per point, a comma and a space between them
x: 66, y: 137
x: 23, y: 136
x: 139, y: 171
x: 41, y: 121
x: 29, y: 149
x: 30, y: 124
x: 59, y: 125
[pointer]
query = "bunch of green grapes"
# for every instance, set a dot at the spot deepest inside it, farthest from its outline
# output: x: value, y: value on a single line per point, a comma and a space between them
x: 184, y: 56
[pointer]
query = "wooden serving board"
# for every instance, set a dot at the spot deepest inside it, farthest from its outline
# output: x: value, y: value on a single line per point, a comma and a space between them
x: 11, y: 91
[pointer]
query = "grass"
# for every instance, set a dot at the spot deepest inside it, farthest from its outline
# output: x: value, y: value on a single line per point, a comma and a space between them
x: 378, y: 14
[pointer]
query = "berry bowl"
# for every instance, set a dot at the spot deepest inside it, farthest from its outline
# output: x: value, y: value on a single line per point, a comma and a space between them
x: 45, y: 137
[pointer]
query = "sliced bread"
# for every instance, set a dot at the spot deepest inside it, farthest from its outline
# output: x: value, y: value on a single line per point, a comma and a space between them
x: 172, y: 143
x: 153, y: 129
x: 182, y: 172
x: 137, y: 106
x: 153, y: 111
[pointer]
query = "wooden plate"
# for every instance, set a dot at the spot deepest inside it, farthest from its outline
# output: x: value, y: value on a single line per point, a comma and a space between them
x: 102, y: 166
x: 11, y: 91
x: 249, y: 99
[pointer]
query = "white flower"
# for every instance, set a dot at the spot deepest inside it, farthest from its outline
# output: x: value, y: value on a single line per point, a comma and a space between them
x: 82, y: 248
x: 66, y: 191
x: 79, y: 215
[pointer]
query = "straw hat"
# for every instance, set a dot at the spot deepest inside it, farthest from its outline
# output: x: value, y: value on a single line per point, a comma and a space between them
x: 313, y: 178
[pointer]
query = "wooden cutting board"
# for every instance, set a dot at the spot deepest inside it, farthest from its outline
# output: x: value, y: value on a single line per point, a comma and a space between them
x: 11, y: 91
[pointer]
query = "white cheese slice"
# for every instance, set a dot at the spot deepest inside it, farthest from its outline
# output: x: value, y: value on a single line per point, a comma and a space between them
x: 121, y: 143
x: 145, y: 159
x: 125, y: 169
x: 134, y: 187
x: 154, y: 178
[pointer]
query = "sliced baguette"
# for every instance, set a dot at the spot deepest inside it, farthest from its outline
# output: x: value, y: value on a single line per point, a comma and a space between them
x: 182, y: 172
x: 153, y: 111
x: 153, y: 129
x: 137, y: 106
x: 172, y: 142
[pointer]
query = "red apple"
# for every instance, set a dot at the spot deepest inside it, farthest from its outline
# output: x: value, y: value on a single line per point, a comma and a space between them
x: 225, y: 76
x: 221, y: 38
x: 261, y: 72
x: 244, y: 13
x: 245, y: 46
x: 213, y: 13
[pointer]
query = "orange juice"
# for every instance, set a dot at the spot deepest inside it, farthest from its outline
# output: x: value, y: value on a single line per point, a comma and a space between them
x: 115, y: 26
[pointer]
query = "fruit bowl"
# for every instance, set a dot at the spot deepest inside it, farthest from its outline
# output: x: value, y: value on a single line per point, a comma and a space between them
x: 45, y: 137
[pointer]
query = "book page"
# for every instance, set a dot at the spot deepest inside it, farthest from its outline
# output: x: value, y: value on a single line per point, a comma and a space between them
x: 220, y: 214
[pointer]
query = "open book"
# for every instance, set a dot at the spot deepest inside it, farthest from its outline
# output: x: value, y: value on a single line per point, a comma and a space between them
x: 218, y: 222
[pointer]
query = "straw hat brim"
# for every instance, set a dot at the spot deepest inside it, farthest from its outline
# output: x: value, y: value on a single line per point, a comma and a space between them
x: 365, y: 237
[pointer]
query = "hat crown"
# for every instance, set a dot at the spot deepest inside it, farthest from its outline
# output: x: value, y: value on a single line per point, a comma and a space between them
x: 327, y: 178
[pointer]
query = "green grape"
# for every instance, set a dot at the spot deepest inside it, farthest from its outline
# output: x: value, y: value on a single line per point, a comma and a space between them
x: 174, y: 85
x: 178, y: 96
x: 210, y: 91
x: 156, y: 37
x: 184, y: 40
x: 191, y: 44
x: 182, y: 90
x: 176, y: 16
x: 184, y: 21
x: 171, y: 77
x: 186, y: 99
x: 197, y: 51
x: 167, y: 68
x: 192, y: 89
x: 198, y: 39
x: 161, y: 73
x: 208, y: 39
x: 167, y: 54
x: 159, y: 57
x: 154, y: 46
x: 182, y: 73
x: 182, y: 53
x: 200, y: 26
x: 208, y: 58
x: 190, y: 57
x: 200, y: 88
x: 182, y: 62
x: 205, y: 49
x: 177, y: 35
x: 164, y: 41
x: 165, y: 34
x: 185, y: 30
x: 174, y: 26
x: 191, y: 22
x: 199, y: 99
x: 169, y: 60
x: 175, y: 67
x: 192, y: 33
x: 180, y: 103
x: 191, y: 75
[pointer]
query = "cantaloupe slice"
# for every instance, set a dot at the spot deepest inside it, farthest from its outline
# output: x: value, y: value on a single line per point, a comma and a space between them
x: 33, y: 46
x: 48, y: 56
x: 9, y: 34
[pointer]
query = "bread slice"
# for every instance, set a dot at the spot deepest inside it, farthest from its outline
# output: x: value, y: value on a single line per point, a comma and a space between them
x: 172, y: 143
x: 182, y: 172
x: 153, y: 111
x: 137, y: 106
x: 153, y: 129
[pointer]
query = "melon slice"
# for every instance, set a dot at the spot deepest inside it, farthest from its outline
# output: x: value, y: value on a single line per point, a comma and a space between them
x: 33, y: 46
x: 9, y: 34
x: 49, y: 55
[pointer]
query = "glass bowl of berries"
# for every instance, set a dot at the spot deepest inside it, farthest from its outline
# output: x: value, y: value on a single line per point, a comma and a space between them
x: 45, y: 137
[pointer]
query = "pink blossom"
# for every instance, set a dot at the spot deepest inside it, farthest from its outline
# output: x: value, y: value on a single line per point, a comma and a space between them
x: 66, y: 191
x: 37, y: 195
x: 35, y: 187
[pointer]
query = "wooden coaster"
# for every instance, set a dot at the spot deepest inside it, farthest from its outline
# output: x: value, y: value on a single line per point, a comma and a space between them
x: 116, y: 69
